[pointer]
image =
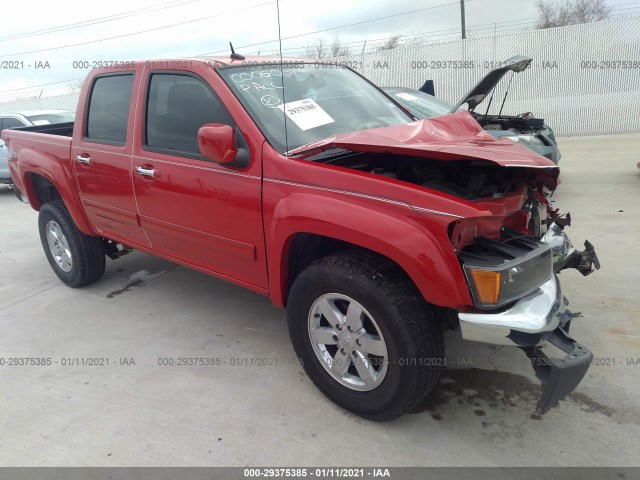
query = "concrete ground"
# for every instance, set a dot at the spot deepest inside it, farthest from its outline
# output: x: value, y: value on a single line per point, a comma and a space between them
x: 235, y: 413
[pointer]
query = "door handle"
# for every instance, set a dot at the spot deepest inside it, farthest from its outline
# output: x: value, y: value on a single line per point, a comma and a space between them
x: 146, y: 172
x: 85, y: 159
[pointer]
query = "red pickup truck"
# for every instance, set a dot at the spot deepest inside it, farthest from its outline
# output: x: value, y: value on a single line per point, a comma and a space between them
x: 304, y: 182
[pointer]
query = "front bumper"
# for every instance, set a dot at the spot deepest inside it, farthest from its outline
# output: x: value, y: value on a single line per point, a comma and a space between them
x: 559, y: 377
x: 526, y: 323
x: 539, y: 317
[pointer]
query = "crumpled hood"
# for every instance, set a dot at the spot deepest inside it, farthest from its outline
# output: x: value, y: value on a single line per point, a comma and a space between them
x: 456, y: 136
x: 452, y: 137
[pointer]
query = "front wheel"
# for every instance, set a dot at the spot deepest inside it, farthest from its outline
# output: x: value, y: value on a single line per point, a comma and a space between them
x: 76, y: 258
x: 364, y: 334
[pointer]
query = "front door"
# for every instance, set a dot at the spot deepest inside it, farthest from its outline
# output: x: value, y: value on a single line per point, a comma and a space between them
x: 192, y: 209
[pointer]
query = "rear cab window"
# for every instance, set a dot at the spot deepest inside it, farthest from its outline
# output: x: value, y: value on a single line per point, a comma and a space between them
x: 107, y: 116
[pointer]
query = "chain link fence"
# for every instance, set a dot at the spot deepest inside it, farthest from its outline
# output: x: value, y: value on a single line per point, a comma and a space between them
x: 584, y: 79
x: 67, y: 101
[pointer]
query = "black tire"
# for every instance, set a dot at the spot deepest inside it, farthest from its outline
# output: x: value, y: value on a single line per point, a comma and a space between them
x: 87, y: 253
x: 414, y: 341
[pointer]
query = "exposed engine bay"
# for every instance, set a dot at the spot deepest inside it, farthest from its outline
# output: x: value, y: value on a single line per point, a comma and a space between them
x: 524, y: 123
x: 536, y: 224
x: 466, y: 179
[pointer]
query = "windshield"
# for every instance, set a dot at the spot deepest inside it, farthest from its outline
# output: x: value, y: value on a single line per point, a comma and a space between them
x: 48, y: 118
x: 320, y: 100
x: 420, y: 104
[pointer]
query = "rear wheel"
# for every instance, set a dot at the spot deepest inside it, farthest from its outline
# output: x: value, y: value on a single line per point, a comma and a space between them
x: 76, y: 258
x: 364, y: 334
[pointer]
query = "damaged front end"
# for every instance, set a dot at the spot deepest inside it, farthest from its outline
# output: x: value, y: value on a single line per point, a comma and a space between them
x: 519, y: 301
x: 510, y: 243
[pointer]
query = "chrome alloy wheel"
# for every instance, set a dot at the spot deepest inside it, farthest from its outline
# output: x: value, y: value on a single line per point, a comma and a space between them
x: 59, y: 246
x: 348, y: 342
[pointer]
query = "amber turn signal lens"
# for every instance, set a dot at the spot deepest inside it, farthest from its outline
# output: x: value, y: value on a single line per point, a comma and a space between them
x: 487, y: 285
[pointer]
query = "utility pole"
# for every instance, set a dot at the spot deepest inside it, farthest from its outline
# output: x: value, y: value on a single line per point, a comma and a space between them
x: 464, y: 30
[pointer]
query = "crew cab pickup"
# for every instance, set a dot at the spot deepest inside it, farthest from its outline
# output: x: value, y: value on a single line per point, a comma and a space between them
x: 304, y: 182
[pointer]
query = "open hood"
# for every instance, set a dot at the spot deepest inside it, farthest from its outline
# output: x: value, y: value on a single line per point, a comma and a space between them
x: 487, y: 84
x: 450, y: 137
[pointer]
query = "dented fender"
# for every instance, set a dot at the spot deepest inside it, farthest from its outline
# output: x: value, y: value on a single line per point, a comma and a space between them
x: 425, y: 255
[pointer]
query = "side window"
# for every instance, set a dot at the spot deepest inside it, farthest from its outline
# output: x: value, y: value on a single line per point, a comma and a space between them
x: 108, y: 113
x: 177, y: 106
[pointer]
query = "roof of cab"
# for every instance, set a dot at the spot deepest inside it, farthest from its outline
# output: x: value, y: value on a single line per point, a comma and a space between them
x: 214, y: 62
x: 226, y: 61
x: 254, y: 60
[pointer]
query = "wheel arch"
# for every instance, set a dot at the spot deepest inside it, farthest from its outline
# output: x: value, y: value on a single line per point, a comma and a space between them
x: 43, y: 185
x: 295, y: 244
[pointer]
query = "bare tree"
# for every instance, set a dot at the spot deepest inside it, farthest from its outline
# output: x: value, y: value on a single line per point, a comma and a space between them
x: 322, y: 49
x: 390, y: 43
x: 317, y: 49
x: 570, y: 12
x: 338, y: 49
x: 591, y: 11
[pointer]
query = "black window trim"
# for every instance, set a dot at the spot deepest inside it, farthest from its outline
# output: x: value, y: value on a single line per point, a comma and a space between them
x: 85, y: 137
x: 147, y: 90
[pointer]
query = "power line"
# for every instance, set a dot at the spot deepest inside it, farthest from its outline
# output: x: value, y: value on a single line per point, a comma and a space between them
x: 382, y: 18
x: 43, y: 85
x: 338, y: 27
x: 174, y: 4
x: 424, y: 35
x: 136, y: 33
x: 36, y: 90
x: 94, y: 21
x: 297, y: 49
x: 508, y: 24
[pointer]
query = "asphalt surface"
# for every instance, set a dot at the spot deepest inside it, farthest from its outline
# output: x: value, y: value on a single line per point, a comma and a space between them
x: 257, y: 408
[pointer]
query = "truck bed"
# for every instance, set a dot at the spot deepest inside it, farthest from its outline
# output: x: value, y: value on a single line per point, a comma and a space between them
x: 42, y: 149
x: 62, y: 129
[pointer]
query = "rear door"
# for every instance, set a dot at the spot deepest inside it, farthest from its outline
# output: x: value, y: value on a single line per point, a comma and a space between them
x: 194, y: 210
x: 101, y: 156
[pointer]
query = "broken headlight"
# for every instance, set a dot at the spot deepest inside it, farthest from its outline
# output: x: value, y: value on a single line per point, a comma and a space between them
x: 499, y: 273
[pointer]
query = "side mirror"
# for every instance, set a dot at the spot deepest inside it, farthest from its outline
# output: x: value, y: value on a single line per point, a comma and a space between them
x: 224, y: 144
x: 217, y: 142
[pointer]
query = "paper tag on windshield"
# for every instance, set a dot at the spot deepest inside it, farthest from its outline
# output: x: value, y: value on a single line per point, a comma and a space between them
x: 41, y: 122
x: 306, y: 114
x: 406, y: 96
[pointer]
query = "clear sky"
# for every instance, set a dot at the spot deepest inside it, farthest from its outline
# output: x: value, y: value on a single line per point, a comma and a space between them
x: 33, y: 32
